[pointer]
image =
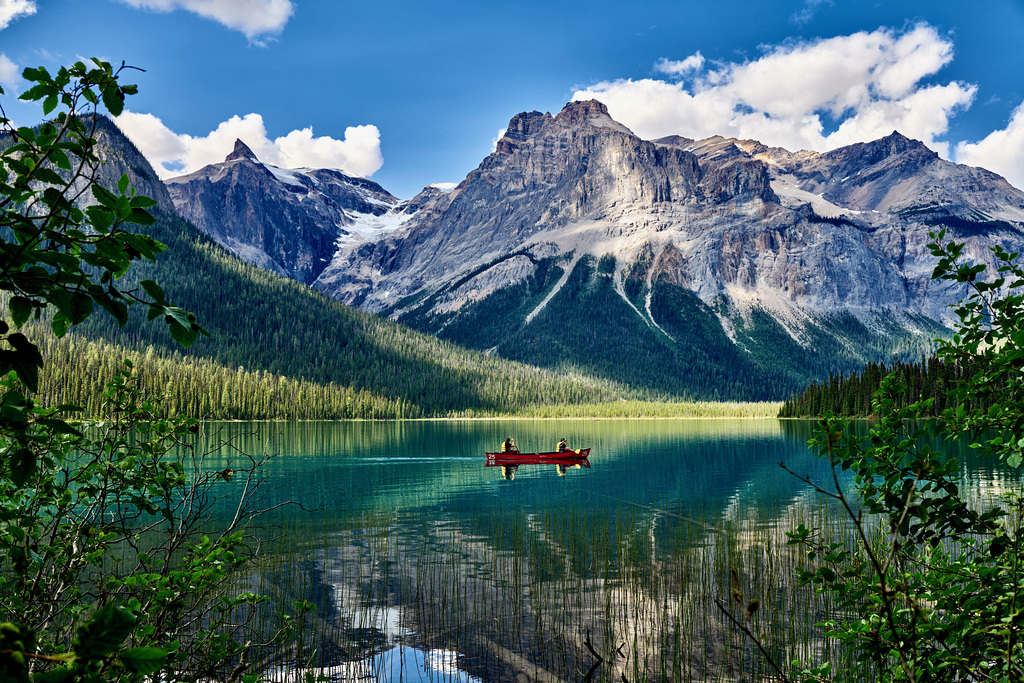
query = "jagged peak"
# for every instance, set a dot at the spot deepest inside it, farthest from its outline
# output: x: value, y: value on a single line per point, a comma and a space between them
x: 584, y: 109
x: 897, y: 143
x: 526, y: 124
x: 674, y: 140
x: 241, y: 151
x: 592, y: 112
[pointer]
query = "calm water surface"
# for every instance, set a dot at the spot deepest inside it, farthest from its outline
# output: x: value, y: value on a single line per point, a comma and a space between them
x: 425, y: 564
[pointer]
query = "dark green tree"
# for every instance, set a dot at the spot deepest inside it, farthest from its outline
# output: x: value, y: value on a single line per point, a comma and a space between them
x: 104, y: 543
x: 930, y: 585
x: 56, y: 252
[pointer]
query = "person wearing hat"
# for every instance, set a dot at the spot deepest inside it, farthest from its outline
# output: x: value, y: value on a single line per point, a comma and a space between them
x: 509, y: 446
x: 562, y: 448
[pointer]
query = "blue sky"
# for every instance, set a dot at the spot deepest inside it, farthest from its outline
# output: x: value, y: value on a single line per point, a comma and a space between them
x: 414, y: 93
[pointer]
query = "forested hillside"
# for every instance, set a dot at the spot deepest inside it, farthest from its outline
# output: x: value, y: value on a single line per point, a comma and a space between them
x: 851, y: 394
x: 280, y: 350
x: 674, y: 347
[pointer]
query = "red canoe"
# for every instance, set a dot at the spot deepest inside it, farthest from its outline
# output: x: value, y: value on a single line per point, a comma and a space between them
x: 502, y: 461
x: 563, y: 458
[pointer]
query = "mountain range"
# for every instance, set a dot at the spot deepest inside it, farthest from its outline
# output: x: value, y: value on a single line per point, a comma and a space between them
x: 277, y: 349
x: 716, y: 268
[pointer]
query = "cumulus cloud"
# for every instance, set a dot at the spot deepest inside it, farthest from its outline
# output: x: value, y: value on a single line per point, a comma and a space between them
x: 1000, y: 151
x: 254, y: 18
x: 9, y: 73
x: 817, y: 94
x: 175, y: 154
x: 692, y: 63
x: 12, y: 9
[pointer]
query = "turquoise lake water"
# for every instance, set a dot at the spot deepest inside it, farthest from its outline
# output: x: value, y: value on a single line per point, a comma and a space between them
x: 426, y: 564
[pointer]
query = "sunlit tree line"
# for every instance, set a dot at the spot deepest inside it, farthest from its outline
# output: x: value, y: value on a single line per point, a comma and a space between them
x: 851, y: 394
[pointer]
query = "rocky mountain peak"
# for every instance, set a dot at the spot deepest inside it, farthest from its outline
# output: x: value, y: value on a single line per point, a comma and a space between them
x: 877, y: 151
x: 525, y: 125
x: 895, y: 144
x: 241, y: 151
x: 589, y: 112
x: 583, y: 109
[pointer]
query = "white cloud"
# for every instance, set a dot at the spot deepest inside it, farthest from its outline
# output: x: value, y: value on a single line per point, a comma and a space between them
x: 694, y: 62
x: 863, y: 86
x: 1000, y: 151
x: 806, y: 13
x: 9, y: 72
x: 500, y: 135
x: 12, y: 9
x: 175, y: 154
x: 254, y: 18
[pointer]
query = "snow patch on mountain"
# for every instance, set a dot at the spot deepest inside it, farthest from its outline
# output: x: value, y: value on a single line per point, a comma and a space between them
x: 368, y: 227
x: 791, y: 195
x: 288, y: 176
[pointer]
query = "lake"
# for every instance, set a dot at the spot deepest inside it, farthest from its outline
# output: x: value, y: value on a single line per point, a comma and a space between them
x: 425, y: 564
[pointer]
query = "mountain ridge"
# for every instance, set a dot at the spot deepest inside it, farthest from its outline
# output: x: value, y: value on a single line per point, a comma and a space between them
x: 766, y: 245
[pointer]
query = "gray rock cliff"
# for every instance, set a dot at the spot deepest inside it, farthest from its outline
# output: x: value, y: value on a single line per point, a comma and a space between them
x: 288, y: 221
x: 758, y: 225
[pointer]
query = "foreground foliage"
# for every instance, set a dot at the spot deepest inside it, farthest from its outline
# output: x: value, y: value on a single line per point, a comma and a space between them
x: 106, y: 549
x: 111, y: 566
x: 930, y: 585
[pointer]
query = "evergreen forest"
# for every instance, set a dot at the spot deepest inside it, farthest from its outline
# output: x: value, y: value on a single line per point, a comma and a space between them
x: 850, y: 395
x: 676, y: 345
x: 278, y: 350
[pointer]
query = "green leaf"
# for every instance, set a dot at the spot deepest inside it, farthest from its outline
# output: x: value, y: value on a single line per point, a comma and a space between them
x: 21, y: 309
x: 23, y: 466
x: 143, y: 660
x: 26, y: 360
x: 36, y: 92
x: 36, y: 75
x: 115, y: 308
x: 142, y: 202
x: 140, y: 217
x: 185, y: 336
x: 153, y: 290
x: 50, y: 103
x: 104, y: 632
x: 56, y: 676
x: 60, y: 159
x: 100, y: 217
x: 81, y: 307
x: 104, y: 196
x: 59, y: 426
x: 60, y: 325
x: 113, y: 99
x: 49, y: 176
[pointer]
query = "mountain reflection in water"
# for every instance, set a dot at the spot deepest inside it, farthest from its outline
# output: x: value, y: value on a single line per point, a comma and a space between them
x: 512, y: 579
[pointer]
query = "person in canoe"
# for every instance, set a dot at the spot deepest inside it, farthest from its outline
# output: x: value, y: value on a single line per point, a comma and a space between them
x: 562, y: 448
x: 509, y: 446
